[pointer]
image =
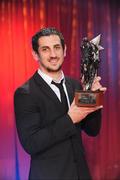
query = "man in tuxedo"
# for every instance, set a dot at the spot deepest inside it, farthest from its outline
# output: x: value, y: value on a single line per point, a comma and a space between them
x: 49, y: 123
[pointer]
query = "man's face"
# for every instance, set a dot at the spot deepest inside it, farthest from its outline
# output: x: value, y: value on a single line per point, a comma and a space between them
x: 51, y: 54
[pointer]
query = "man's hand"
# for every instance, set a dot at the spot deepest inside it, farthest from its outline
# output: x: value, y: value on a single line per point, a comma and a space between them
x: 97, y: 86
x: 77, y: 114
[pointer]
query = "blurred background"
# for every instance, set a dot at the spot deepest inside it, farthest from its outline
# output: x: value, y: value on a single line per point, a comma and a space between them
x: 19, y: 20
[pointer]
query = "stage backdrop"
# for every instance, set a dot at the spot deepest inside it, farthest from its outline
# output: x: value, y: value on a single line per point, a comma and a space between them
x: 19, y: 20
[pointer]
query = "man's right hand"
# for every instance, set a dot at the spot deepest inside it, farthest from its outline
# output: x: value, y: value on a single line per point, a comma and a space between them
x: 77, y: 114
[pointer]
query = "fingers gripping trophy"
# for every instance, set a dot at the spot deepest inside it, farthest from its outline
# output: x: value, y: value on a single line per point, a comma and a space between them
x: 89, y: 67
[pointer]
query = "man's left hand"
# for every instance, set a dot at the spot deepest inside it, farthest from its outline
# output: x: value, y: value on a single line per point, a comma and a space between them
x: 97, y: 86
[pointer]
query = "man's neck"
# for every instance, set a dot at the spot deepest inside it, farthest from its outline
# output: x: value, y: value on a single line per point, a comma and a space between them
x: 56, y: 76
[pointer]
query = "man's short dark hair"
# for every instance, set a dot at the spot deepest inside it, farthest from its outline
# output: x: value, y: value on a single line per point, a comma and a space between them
x: 46, y: 32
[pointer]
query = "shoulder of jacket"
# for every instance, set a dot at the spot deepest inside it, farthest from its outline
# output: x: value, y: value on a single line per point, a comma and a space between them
x: 25, y: 88
x: 73, y: 81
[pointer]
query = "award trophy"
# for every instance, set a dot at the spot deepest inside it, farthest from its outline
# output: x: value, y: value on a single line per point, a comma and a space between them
x: 89, y: 68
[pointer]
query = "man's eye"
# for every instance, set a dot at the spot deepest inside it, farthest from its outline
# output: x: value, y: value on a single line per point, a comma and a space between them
x: 57, y: 47
x: 44, y: 49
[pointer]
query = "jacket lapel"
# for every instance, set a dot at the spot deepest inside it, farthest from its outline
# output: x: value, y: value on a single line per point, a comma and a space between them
x: 45, y: 88
x: 49, y: 92
x: 70, y: 89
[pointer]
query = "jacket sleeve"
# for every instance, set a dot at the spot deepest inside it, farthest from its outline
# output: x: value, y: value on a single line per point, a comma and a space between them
x: 33, y: 137
x: 92, y: 123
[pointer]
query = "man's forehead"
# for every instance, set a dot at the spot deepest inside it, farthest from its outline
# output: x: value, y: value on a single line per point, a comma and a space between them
x: 48, y: 40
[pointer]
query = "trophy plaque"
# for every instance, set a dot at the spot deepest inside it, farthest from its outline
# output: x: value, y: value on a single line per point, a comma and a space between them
x: 89, y: 67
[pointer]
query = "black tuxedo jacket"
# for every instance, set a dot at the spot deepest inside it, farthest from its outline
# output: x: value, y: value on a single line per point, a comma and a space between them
x: 48, y: 134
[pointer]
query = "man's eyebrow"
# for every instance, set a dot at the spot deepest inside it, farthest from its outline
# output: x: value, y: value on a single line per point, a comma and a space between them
x: 44, y: 46
x: 57, y: 45
x: 48, y: 46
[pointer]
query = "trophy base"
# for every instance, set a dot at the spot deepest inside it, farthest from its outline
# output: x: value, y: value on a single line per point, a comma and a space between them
x: 88, y: 98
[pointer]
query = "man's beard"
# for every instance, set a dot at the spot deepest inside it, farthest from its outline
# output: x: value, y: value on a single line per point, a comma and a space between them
x: 53, y: 70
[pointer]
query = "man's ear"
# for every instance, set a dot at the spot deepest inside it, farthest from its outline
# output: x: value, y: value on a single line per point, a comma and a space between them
x: 65, y: 49
x: 35, y: 55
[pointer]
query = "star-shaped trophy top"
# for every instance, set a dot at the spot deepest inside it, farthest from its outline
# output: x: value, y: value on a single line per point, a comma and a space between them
x: 96, y: 42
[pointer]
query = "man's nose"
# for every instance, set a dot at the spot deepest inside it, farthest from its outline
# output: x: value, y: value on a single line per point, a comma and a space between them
x: 52, y: 53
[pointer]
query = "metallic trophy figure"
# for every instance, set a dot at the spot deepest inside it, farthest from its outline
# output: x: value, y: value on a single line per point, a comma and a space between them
x: 90, y: 61
x: 89, y: 67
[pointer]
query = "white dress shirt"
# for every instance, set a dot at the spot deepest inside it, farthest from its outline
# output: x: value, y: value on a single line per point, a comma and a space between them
x: 56, y: 90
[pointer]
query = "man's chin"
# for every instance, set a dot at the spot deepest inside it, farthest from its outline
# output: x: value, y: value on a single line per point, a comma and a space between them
x: 54, y: 70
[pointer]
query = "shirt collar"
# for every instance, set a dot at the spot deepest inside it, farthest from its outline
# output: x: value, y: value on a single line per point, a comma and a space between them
x: 49, y: 79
